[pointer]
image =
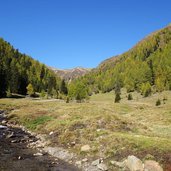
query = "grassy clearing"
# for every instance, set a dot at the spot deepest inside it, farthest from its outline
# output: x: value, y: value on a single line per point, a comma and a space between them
x: 113, y: 130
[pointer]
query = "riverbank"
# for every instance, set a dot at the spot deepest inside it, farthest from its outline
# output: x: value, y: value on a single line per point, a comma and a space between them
x: 16, y: 155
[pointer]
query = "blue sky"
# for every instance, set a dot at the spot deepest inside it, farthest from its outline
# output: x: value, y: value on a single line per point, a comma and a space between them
x: 71, y: 33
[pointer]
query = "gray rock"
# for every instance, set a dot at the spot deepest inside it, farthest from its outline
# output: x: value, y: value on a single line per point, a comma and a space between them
x: 4, y: 122
x: 13, y: 141
x: 102, y: 167
x: 51, y: 133
x: 10, y: 135
x: 78, y: 163
x: 2, y: 127
x: 85, y: 148
x: 151, y: 165
x: 19, y: 157
x: 84, y: 160
x: 38, y: 154
x: 59, y: 153
x: 118, y: 164
x: 134, y: 164
x: 73, y: 143
x: 95, y: 162
x: 91, y: 168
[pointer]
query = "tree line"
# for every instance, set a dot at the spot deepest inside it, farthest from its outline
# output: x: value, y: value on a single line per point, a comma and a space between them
x: 22, y: 74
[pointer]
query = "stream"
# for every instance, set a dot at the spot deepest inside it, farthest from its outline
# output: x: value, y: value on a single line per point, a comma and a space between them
x: 15, y: 155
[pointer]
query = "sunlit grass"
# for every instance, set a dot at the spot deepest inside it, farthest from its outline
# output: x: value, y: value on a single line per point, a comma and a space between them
x: 111, y: 129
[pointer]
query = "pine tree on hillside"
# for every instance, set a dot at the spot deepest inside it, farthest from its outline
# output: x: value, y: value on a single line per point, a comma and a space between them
x: 14, y: 77
x: 3, y: 85
x: 117, y: 92
x: 30, y: 90
x: 63, y: 88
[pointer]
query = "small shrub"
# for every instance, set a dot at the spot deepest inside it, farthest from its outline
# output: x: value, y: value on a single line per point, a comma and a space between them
x: 96, y: 91
x: 30, y: 90
x: 67, y: 100
x: 60, y: 97
x: 164, y: 99
x: 35, y: 95
x: 146, y: 89
x: 42, y: 94
x: 158, y: 102
x: 78, y: 98
x: 117, y: 98
x: 9, y: 94
x: 130, y: 96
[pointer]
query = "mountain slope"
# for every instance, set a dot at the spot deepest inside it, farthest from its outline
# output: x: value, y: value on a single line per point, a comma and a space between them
x: 146, y: 65
x: 71, y: 74
x: 18, y: 70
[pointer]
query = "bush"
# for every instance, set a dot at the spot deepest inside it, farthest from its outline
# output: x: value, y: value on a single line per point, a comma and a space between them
x: 67, y: 100
x: 35, y: 95
x: 78, y: 98
x: 146, y: 89
x: 42, y: 94
x: 55, y: 94
x: 117, y: 98
x: 130, y: 96
x: 30, y: 90
x: 164, y: 99
x: 158, y: 102
x: 9, y: 94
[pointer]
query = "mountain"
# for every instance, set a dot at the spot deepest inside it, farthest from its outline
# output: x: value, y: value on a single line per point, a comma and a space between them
x: 71, y: 74
x: 145, y: 68
x: 18, y: 70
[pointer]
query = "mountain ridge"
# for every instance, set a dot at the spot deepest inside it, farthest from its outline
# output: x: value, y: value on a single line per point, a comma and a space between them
x: 70, y: 74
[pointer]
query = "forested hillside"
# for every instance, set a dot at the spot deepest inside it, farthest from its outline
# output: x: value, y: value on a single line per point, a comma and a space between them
x: 17, y: 71
x: 144, y: 68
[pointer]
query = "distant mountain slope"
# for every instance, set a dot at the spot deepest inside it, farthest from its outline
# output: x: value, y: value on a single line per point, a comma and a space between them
x: 147, y: 64
x: 70, y: 74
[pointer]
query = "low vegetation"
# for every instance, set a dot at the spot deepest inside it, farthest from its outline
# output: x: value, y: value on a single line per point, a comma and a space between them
x: 112, y: 130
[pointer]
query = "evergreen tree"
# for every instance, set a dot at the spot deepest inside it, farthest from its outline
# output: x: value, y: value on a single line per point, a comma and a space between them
x: 30, y: 90
x: 146, y: 89
x: 130, y: 96
x: 14, y: 80
x: 117, y: 97
x: 158, y: 102
x: 3, y: 83
x: 117, y: 92
x: 78, y: 91
x: 63, y: 87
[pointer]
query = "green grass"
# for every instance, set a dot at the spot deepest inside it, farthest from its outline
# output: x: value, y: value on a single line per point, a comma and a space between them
x: 113, y: 130
x: 33, y: 124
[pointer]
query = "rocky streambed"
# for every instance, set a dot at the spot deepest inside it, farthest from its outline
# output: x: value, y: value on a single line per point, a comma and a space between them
x: 17, y: 155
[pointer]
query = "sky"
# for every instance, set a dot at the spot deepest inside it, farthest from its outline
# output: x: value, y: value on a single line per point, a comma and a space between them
x: 70, y: 33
